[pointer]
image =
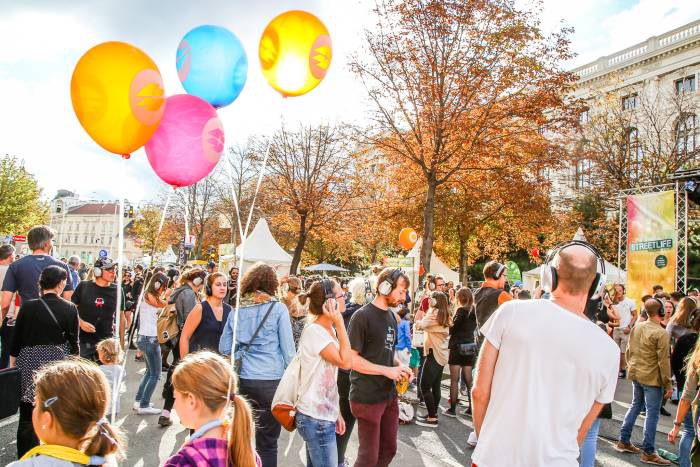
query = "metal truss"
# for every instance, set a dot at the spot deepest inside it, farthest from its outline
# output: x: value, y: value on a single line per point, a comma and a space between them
x: 681, y: 227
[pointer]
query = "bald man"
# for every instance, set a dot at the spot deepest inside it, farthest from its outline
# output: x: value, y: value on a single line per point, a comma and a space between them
x: 544, y: 372
x: 649, y: 368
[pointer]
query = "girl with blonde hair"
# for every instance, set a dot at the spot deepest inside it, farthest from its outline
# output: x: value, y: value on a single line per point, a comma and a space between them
x: 207, y: 402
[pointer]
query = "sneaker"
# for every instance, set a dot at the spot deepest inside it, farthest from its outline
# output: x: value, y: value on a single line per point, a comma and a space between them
x: 627, y: 447
x: 622, y: 374
x: 164, y: 421
x: 471, y: 441
x: 423, y: 421
x: 421, y: 404
x: 665, y: 413
x: 467, y: 411
x: 654, y: 458
x: 138, y: 358
x: 137, y: 405
x: 450, y: 412
x: 148, y: 411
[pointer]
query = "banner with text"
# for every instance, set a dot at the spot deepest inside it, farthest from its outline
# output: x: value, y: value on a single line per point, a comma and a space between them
x: 651, y: 243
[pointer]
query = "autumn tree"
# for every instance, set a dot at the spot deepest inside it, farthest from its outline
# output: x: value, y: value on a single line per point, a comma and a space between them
x: 196, y: 202
x: 20, y: 198
x: 308, y: 184
x: 146, y: 229
x: 451, y: 80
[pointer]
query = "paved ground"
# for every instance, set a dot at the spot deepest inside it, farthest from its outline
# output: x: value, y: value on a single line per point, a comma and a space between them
x: 150, y: 445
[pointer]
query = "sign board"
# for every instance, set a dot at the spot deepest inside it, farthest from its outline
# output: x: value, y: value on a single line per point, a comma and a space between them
x: 403, y: 263
x: 103, y: 253
x: 190, y: 240
x: 227, y: 249
x: 513, y: 272
x: 19, y: 238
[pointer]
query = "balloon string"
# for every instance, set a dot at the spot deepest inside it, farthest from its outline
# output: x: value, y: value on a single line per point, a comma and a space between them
x: 235, y: 200
x: 242, y: 253
x: 120, y: 268
x: 137, y: 309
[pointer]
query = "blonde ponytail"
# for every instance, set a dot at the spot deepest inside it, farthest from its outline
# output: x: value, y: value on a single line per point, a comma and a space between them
x: 240, y: 435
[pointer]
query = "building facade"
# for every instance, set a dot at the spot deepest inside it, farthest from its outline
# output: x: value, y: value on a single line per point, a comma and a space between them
x: 650, y: 92
x: 84, y: 228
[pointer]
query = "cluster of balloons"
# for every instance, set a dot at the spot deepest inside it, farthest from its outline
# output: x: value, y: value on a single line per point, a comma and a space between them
x: 118, y: 95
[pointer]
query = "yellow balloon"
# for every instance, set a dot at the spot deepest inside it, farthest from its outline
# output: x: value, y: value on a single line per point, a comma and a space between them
x: 118, y: 96
x: 295, y: 52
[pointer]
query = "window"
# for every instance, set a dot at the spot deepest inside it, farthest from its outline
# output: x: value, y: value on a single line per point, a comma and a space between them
x: 630, y: 102
x: 584, y: 117
x: 687, y: 139
x: 584, y: 174
x: 686, y: 84
x: 633, y: 153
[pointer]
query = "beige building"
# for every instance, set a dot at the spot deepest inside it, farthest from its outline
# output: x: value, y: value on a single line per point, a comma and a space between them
x: 83, y: 228
x: 662, y: 71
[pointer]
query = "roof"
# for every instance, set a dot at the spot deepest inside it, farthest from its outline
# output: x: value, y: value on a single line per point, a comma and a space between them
x: 95, y: 209
x: 262, y: 246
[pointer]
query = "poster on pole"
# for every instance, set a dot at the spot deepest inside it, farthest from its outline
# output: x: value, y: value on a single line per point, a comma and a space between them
x: 651, y: 243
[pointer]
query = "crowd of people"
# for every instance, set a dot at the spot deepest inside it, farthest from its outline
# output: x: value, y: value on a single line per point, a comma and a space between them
x: 355, y: 346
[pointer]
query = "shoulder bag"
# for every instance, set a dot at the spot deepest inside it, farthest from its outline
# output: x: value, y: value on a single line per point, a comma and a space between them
x: 166, y: 324
x: 238, y: 362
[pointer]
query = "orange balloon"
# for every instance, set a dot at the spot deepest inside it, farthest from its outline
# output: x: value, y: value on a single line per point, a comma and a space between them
x: 407, y: 238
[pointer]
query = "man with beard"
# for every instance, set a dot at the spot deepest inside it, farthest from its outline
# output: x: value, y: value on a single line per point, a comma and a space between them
x: 375, y: 370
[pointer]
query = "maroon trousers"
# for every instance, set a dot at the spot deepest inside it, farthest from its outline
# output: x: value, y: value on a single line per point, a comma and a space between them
x: 377, y: 428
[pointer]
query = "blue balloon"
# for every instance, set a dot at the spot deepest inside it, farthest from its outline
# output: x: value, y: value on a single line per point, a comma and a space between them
x: 212, y: 64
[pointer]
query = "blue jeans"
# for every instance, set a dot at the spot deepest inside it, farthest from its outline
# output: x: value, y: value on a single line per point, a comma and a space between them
x: 687, y: 435
x: 648, y: 397
x: 590, y: 444
x: 319, y: 435
x: 151, y: 352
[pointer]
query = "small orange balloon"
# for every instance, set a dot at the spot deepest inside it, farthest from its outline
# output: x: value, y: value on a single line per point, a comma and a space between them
x: 407, y: 238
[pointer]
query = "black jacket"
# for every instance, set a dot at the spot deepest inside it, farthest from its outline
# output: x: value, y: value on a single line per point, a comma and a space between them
x: 463, y: 327
x: 34, y: 325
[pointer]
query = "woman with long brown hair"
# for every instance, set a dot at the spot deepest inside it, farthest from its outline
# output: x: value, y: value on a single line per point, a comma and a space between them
x: 204, y: 386
x: 206, y: 321
x: 461, y: 362
x: 436, y: 323
x: 264, y: 348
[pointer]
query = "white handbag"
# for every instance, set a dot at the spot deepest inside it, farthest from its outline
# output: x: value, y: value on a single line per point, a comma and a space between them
x: 418, y: 338
x: 287, y: 394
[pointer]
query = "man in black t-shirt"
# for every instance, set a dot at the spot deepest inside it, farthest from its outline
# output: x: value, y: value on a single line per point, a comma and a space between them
x: 97, y: 303
x: 375, y: 369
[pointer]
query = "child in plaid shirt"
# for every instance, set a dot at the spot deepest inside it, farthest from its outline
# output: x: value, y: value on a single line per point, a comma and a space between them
x: 201, y: 384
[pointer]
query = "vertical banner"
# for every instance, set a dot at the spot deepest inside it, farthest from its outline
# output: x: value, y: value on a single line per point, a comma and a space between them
x: 651, y: 243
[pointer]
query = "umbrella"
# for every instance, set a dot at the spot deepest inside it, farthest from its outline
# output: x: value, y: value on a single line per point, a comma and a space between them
x: 325, y: 267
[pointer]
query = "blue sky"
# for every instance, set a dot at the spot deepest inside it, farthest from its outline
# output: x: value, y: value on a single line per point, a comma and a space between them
x: 42, y: 41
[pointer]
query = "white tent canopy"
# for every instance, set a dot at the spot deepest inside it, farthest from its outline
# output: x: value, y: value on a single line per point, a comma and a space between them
x: 436, y: 264
x: 262, y: 246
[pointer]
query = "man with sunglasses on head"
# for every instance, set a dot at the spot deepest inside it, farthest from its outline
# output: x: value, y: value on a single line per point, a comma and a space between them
x: 97, y: 304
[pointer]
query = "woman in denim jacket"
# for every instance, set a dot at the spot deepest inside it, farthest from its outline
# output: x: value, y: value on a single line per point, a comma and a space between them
x: 263, y: 359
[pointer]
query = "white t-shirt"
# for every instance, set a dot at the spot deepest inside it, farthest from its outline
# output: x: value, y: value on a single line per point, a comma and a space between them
x: 148, y: 319
x: 552, y: 365
x: 624, y: 309
x: 319, y: 388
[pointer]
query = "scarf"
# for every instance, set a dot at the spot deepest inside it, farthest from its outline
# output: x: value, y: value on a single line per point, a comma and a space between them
x: 254, y: 298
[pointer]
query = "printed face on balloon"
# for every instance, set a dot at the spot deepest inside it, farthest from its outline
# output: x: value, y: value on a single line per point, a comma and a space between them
x: 146, y: 97
x: 183, y: 60
x: 320, y: 56
x: 213, y: 140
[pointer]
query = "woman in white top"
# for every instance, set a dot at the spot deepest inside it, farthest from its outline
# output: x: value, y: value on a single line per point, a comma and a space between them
x: 322, y: 349
x: 148, y: 341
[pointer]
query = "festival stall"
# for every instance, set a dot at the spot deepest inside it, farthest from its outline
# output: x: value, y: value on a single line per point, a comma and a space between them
x: 260, y: 245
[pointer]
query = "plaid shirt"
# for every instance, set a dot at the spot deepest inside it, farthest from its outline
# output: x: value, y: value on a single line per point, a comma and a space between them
x: 202, y: 452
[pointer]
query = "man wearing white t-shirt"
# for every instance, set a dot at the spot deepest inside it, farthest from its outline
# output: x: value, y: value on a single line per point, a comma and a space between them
x: 626, y: 310
x: 544, y: 372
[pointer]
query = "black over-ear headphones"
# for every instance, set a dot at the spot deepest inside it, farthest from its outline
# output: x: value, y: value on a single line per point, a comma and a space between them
x: 548, y: 275
x: 207, y: 288
x: 327, y: 288
x: 662, y: 310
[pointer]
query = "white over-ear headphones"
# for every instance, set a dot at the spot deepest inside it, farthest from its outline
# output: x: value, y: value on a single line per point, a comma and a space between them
x: 387, y: 284
x: 548, y: 274
x: 197, y: 280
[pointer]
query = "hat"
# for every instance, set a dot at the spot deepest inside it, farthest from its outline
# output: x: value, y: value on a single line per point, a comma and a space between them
x: 105, y: 263
x: 518, y: 284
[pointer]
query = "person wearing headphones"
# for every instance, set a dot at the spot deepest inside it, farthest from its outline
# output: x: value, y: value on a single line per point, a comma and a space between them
x: 572, y: 365
x: 375, y: 370
x: 649, y: 369
x: 185, y: 298
x: 492, y: 293
x: 97, y: 307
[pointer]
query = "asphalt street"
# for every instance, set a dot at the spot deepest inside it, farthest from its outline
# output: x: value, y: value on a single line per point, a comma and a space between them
x: 150, y: 445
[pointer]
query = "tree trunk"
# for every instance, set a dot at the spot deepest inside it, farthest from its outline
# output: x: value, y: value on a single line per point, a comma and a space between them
x: 301, y: 241
x: 428, y: 225
x: 463, y: 259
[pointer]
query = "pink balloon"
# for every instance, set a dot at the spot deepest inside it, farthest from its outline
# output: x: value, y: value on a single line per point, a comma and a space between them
x: 188, y: 143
